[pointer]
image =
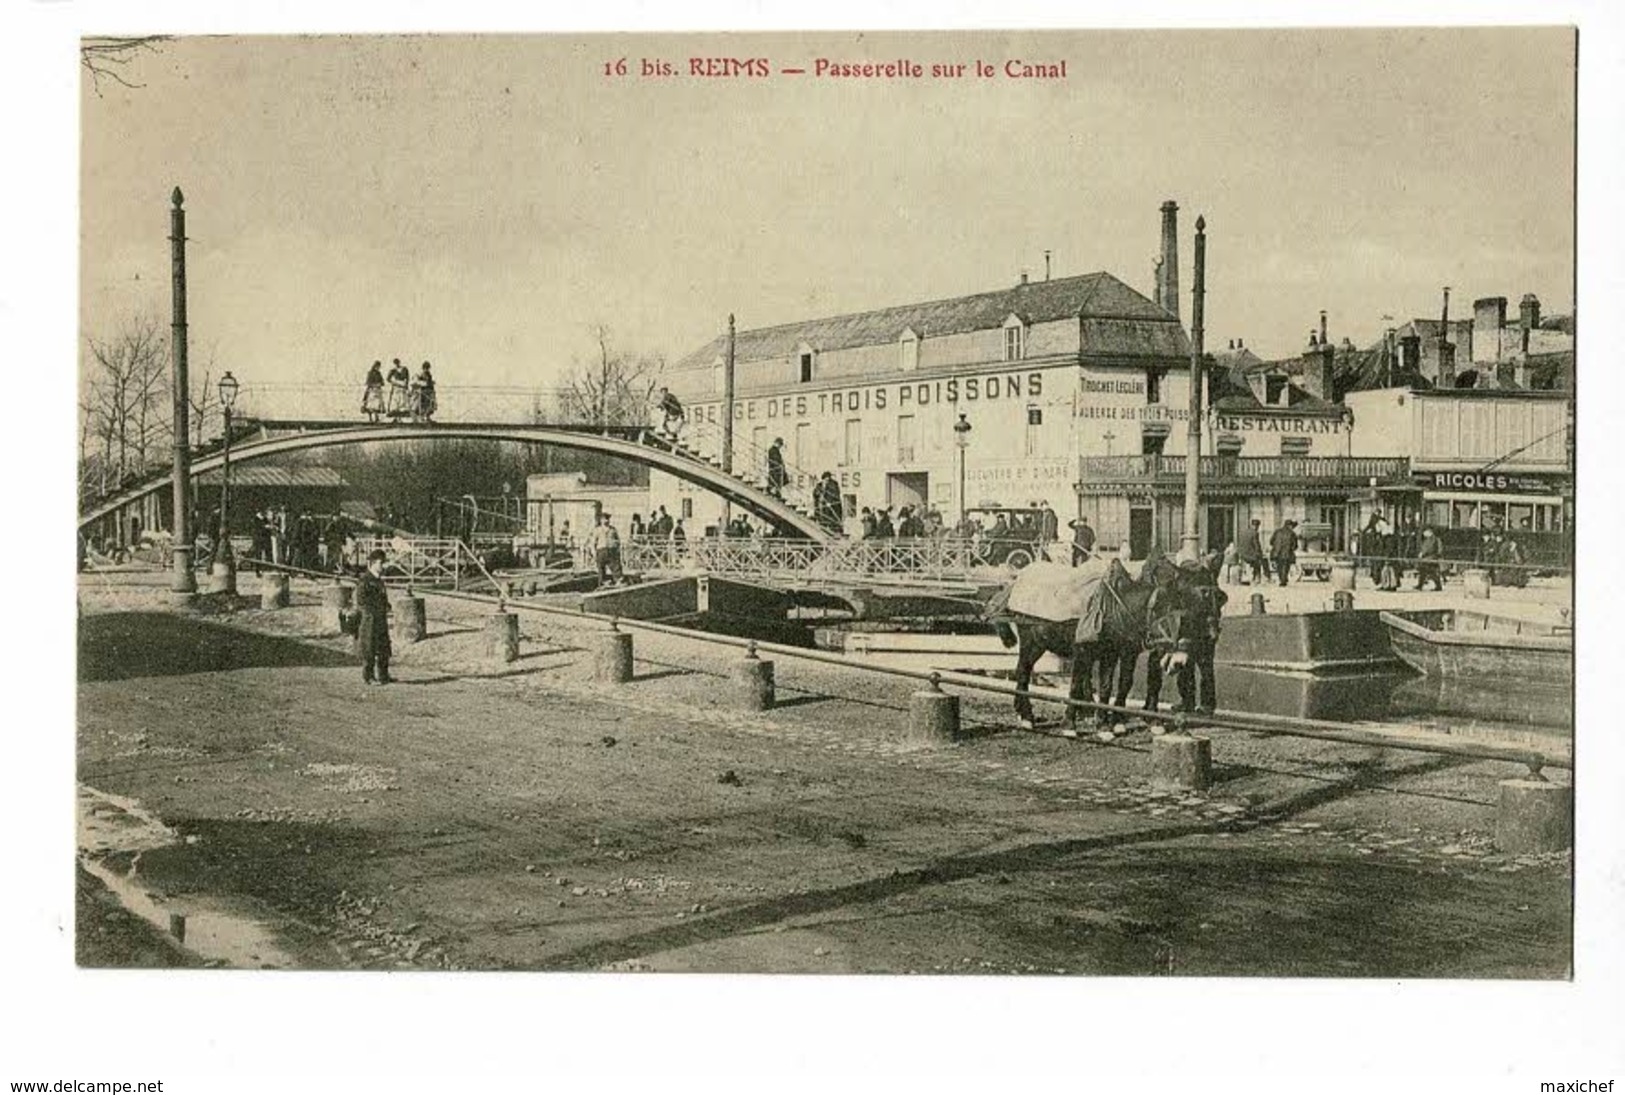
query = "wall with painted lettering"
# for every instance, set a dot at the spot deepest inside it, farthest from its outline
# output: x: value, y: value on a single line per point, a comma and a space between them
x: 1113, y: 412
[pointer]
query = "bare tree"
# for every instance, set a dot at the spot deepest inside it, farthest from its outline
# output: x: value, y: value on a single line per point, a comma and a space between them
x: 614, y: 388
x: 109, y: 57
x: 125, y: 393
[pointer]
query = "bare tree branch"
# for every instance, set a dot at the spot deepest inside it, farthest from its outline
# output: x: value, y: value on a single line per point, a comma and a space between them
x: 103, y: 57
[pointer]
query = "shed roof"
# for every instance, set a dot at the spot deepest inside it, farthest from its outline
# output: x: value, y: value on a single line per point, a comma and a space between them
x: 276, y: 476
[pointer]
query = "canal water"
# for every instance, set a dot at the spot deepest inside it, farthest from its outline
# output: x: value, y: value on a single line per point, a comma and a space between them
x: 1391, y: 697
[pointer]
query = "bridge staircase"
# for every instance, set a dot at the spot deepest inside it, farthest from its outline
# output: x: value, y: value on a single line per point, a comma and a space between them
x: 702, y: 442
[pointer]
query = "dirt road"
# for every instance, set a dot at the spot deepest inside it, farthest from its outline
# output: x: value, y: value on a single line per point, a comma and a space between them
x: 478, y: 816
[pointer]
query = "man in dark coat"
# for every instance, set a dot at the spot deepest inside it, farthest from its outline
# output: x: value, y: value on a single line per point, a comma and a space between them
x: 1049, y: 526
x: 1250, y: 551
x: 1284, y: 549
x: 1427, y: 561
x: 777, y: 475
x: 372, y: 639
x: 1083, y: 540
x: 827, y: 503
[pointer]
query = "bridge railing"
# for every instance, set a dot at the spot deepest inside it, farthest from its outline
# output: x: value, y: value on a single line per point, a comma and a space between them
x: 426, y: 561
x: 923, y: 559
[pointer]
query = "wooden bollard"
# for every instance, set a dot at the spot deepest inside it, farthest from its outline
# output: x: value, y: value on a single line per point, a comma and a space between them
x: 502, y: 636
x: 612, y: 657
x: 411, y: 621
x: 1181, y: 760
x: 274, y: 590
x: 751, y: 681
x: 933, y: 717
x: 1534, y: 816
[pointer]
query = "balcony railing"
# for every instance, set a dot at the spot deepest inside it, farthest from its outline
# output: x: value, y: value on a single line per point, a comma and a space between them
x: 1350, y: 469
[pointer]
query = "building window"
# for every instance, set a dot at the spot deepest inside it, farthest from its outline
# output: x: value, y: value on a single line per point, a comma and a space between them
x: 1151, y: 443
x: 1295, y: 446
x: 853, y: 452
x: 688, y: 508
x: 806, y: 367
x: 907, y: 435
x: 1153, y: 386
x: 908, y: 352
x: 1035, y: 423
x: 1230, y: 445
x: 1275, y: 390
x: 1014, y: 342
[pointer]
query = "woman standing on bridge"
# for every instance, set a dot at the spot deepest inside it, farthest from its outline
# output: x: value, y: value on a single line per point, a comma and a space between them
x: 372, y: 396
x: 400, y: 378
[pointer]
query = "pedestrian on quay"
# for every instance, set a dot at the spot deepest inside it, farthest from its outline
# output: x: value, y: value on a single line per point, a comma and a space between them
x: 372, y: 395
x: 827, y: 504
x: 400, y: 383
x: 1049, y: 525
x: 1427, y: 561
x: 866, y: 524
x: 1250, y: 551
x: 372, y: 602
x: 778, y: 476
x: 605, y: 545
x: 635, y: 529
x: 1284, y: 549
x: 1083, y: 539
x: 262, y: 539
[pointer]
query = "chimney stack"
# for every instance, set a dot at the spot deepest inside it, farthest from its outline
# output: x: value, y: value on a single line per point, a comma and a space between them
x: 1046, y: 264
x: 1489, y: 318
x: 1445, y: 376
x: 1323, y: 326
x: 1529, y: 312
x: 1318, y: 361
x: 1168, y: 269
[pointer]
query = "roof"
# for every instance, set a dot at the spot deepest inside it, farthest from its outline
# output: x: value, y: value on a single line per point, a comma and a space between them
x: 1118, y: 320
x: 278, y: 477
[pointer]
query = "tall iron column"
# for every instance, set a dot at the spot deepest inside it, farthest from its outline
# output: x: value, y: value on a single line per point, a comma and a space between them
x: 1190, y: 547
x: 184, y: 582
x: 728, y: 416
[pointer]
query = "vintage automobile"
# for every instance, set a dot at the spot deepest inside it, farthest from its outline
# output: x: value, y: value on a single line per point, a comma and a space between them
x: 1014, y: 544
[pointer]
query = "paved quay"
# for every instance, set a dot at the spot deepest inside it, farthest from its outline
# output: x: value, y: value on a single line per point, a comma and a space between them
x: 483, y: 815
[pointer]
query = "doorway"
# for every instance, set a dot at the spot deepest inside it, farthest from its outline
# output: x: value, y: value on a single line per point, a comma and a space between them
x: 910, y: 488
x: 1139, y: 532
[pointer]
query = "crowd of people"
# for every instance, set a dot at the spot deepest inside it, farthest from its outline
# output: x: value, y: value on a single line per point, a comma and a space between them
x: 398, y: 394
x: 1387, y: 553
x: 304, y: 540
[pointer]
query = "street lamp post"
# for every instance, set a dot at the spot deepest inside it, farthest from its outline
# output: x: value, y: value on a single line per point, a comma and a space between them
x: 962, y: 439
x: 223, y: 574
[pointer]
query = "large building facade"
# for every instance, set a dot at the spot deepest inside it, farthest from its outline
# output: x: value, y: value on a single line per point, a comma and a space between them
x: 1041, y: 373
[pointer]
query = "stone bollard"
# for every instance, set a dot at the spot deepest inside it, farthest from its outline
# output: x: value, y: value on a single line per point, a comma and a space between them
x: 1343, y: 574
x: 933, y: 717
x: 177, y: 926
x: 1534, y: 816
x: 1475, y: 583
x: 1181, y: 760
x: 612, y: 657
x: 751, y: 681
x: 502, y: 636
x: 223, y: 577
x: 337, y: 597
x: 273, y: 590
x: 411, y: 620
x: 1257, y: 602
x: 1342, y: 601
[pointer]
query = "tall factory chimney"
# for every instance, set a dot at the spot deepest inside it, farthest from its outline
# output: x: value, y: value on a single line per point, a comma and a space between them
x: 1169, y: 268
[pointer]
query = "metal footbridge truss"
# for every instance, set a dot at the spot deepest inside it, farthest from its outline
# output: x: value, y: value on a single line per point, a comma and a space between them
x: 687, y: 459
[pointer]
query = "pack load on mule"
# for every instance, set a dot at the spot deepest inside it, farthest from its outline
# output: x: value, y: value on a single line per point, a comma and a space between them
x: 1101, y: 618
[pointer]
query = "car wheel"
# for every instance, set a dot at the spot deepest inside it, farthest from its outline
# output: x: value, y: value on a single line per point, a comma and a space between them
x: 1018, y: 558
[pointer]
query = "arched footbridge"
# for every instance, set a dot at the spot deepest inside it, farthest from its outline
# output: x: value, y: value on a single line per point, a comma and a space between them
x: 626, y: 442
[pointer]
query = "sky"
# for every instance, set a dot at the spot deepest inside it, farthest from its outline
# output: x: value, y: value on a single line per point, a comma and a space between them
x: 484, y: 202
